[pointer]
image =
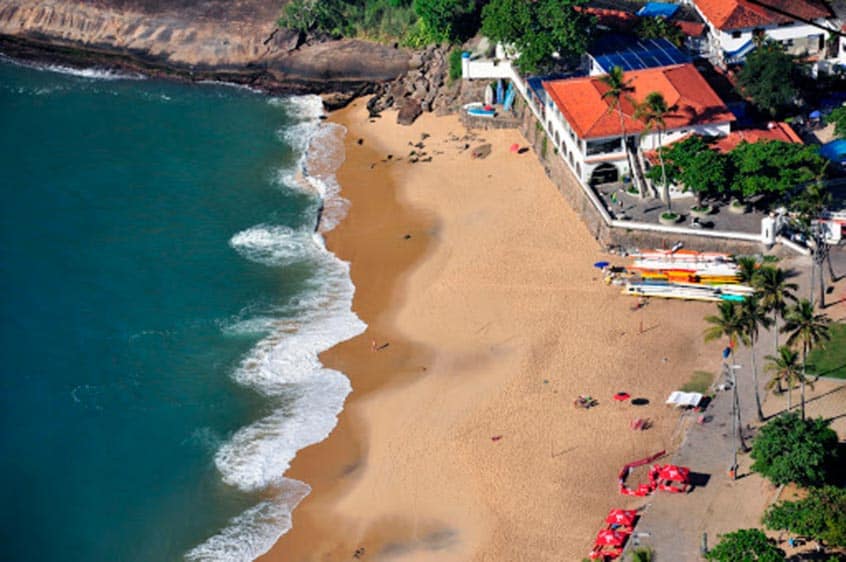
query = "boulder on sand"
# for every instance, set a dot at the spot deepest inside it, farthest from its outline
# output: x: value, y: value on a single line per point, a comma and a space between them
x: 409, y: 111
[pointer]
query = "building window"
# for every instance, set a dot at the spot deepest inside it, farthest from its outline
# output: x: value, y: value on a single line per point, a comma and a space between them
x: 603, y: 146
x: 557, y: 138
x: 736, y: 34
x: 578, y: 170
x: 570, y: 157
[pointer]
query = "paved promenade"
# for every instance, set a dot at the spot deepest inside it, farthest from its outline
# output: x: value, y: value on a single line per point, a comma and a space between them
x: 673, y: 525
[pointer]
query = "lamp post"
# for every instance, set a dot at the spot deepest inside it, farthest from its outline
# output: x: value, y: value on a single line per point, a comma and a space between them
x: 736, y: 428
x: 819, y: 253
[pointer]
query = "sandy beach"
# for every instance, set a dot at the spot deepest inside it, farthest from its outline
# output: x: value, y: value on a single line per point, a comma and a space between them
x: 460, y: 440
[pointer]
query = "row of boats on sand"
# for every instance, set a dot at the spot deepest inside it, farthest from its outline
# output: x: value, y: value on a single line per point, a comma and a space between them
x: 680, y: 274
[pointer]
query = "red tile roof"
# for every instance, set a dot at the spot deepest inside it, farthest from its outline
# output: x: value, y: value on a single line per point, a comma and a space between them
x: 684, y: 89
x: 617, y: 19
x: 690, y: 28
x: 740, y: 14
x: 776, y: 131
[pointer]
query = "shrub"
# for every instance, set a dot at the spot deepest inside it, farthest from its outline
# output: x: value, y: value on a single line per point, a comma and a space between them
x: 820, y: 516
x: 746, y: 545
x: 455, y: 64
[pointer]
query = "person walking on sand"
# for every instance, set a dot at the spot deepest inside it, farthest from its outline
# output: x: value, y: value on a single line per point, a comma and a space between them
x: 373, y: 346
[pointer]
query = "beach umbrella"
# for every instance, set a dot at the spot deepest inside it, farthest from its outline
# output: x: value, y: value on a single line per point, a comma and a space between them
x: 621, y: 517
x: 601, y: 264
x: 815, y: 115
x: 515, y: 147
x: 622, y: 396
x: 608, y: 537
x: 674, y: 473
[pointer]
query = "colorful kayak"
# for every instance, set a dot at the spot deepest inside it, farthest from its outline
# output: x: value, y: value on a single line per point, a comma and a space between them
x: 479, y: 110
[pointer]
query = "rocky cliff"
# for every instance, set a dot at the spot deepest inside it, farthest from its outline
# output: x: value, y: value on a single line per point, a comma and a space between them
x: 230, y: 40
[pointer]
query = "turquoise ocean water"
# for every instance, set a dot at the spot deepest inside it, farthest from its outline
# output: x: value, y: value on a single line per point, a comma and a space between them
x: 163, y: 302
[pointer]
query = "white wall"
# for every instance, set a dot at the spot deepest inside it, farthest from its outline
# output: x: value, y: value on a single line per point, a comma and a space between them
x: 472, y: 69
x: 729, y: 43
x: 650, y: 140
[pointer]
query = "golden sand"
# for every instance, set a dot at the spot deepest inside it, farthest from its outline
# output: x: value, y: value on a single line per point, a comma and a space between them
x: 460, y: 440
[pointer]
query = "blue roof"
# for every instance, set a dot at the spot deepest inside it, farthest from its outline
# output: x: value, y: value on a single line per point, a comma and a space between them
x: 834, y: 150
x: 654, y: 9
x: 635, y: 54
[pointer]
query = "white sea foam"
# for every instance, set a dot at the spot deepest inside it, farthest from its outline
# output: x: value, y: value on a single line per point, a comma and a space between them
x: 252, y: 533
x: 273, y: 245
x: 93, y: 73
x: 284, y: 365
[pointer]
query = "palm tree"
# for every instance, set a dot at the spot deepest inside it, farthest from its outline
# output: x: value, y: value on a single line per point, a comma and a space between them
x: 774, y: 289
x: 652, y: 112
x: 808, y: 206
x: 747, y: 268
x: 754, y: 317
x: 785, y: 369
x: 618, y: 88
x: 807, y: 329
x: 729, y: 323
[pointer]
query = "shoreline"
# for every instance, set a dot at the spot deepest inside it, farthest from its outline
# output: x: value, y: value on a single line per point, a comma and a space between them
x: 49, y: 52
x: 325, y: 466
x: 476, y: 308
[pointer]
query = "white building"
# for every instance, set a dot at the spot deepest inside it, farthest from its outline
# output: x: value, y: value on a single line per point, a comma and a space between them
x: 733, y: 26
x: 586, y: 130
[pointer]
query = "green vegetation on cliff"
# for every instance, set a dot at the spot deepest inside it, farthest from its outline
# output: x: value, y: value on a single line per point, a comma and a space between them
x: 373, y: 19
x: 415, y: 23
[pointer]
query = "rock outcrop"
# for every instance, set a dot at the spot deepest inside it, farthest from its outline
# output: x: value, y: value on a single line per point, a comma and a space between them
x: 425, y: 87
x: 228, y: 40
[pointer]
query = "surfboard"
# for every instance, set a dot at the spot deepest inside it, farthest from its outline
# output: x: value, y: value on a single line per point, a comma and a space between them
x: 509, y: 97
x: 489, y: 95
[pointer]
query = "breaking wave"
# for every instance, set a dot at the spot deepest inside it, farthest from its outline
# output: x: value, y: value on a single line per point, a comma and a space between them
x: 306, y: 397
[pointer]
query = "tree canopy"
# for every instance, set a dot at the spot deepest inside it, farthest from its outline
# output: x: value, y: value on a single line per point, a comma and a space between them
x: 692, y: 164
x: 838, y: 117
x: 451, y: 20
x: 538, y: 29
x: 773, y: 167
x: 767, y: 167
x: 820, y: 516
x: 658, y: 27
x: 746, y: 545
x: 770, y: 77
x: 790, y: 449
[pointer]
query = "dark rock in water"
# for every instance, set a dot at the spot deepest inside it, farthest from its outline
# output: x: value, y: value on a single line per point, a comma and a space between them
x: 409, y: 111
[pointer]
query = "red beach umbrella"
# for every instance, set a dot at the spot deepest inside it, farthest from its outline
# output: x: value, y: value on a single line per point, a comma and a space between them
x: 622, y: 396
x: 515, y: 148
x: 621, y: 517
x: 607, y: 537
x: 674, y: 473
